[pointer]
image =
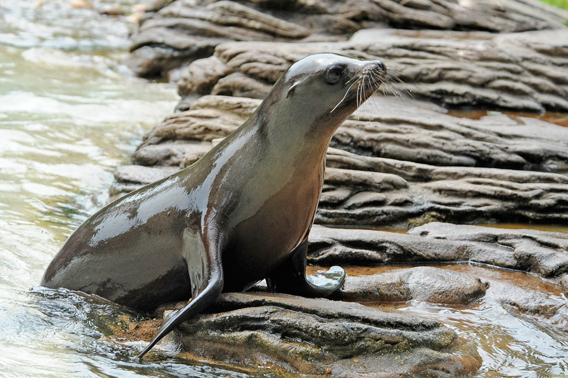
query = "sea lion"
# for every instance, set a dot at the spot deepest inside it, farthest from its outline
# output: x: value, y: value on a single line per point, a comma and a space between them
x: 240, y: 214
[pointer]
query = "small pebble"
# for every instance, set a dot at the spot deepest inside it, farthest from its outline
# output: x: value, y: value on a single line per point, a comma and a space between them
x: 80, y: 4
x: 37, y: 4
x: 112, y: 10
x: 139, y: 8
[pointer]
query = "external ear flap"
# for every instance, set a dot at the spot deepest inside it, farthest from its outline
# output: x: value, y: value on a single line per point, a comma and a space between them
x: 293, y: 88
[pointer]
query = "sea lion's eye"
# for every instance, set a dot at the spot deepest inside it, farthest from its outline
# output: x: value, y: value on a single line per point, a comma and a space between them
x: 334, y: 74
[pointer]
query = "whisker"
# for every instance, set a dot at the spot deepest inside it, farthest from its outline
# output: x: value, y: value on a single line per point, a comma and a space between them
x: 344, y: 96
x: 377, y: 84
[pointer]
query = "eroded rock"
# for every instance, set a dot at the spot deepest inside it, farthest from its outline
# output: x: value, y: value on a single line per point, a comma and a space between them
x: 536, y: 251
x: 520, y: 71
x: 174, y: 33
x: 318, y: 336
x: 409, y: 163
x: 426, y: 284
x: 545, y: 253
x: 564, y: 283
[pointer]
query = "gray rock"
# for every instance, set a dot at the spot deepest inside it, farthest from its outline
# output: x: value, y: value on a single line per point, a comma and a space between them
x: 137, y: 174
x: 185, y: 30
x: 315, y: 336
x: 411, y: 164
x: 544, y: 253
x: 519, y: 71
x: 536, y: 251
x: 424, y: 284
x: 564, y: 283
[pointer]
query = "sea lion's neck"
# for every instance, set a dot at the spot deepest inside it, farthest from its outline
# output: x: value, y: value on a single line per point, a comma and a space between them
x: 295, y: 134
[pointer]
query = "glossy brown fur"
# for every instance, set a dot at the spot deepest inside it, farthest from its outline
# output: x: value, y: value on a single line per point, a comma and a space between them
x: 233, y: 218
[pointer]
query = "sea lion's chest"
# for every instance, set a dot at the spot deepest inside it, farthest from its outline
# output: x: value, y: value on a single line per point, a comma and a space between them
x: 273, y: 227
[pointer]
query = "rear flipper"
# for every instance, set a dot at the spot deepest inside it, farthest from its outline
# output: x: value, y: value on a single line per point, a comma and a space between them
x: 206, y: 275
x: 290, y: 277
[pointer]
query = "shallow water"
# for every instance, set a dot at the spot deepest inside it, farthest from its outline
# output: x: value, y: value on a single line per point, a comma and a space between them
x: 520, y: 326
x: 70, y: 113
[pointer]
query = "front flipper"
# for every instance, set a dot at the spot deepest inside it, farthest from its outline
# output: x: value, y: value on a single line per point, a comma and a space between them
x: 206, y: 275
x: 290, y: 277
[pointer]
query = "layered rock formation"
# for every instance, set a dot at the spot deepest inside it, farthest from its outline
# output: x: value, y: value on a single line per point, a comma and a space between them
x: 397, y: 162
x: 408, y: 164
x: 520, y: 71
x: 178, y: 32
x: 544, y: 253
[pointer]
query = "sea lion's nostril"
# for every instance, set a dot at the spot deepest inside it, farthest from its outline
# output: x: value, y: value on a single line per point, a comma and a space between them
x: 381, y: 65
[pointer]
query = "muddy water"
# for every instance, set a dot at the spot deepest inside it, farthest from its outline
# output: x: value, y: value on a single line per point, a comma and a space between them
x: 69, y: 115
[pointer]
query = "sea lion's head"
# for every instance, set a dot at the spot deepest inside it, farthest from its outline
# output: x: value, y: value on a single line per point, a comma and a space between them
x: 344, y: 82
x: 322, y: 90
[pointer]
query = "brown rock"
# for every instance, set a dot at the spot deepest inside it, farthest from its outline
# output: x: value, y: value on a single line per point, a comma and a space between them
x: 424, y: 165
x: 312, y: 336
x: 424, y: 284
x: 189, y: 29
x: 545, y: 253
x: 520, y: 71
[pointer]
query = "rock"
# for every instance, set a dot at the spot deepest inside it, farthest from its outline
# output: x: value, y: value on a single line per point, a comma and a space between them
x: 457, y: 194
x: 211, y: 117
x: 564, y: 283
x: 174, y: 33
x: 143, y: 175
x: 111, y: 10
x: 411, y: 164
x: 176, y: 154
x: 424, y: 284
x: 518, y: 71
x: 312, y: 336
x: 544, y: 253
x: 80, y: 4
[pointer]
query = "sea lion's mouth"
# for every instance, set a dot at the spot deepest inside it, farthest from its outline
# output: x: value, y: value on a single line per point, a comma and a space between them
x: 364, y: 83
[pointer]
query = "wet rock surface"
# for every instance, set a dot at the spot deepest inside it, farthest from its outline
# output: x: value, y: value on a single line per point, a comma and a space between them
x: 283, y: 334
x: 318, y: 336
x: 426, y: 284
x: 395, y: 163
x: 174, y: 33
x: 544, y: 253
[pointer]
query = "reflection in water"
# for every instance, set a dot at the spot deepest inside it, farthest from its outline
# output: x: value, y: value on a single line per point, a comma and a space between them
x: 520, y: 326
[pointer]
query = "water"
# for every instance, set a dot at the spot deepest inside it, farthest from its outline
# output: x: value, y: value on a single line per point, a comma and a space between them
x: 520, y: 325
x: 70, y: 113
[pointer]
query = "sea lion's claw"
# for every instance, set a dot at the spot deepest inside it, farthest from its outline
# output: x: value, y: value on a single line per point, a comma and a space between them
x: 332, y: 279
x: 290, y: 277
